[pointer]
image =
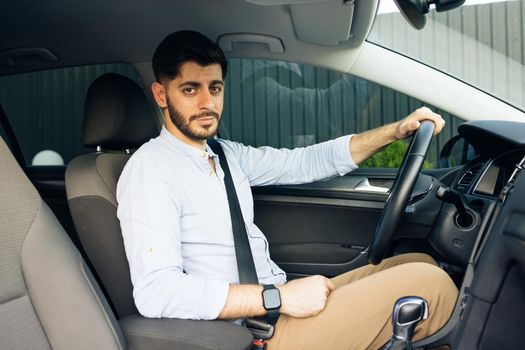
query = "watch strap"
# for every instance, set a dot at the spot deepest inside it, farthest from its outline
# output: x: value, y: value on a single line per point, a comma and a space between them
x: 273, y: 314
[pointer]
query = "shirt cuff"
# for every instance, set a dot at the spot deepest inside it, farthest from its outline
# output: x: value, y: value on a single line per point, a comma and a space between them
x: 217, y: 295
x: 342, y: 158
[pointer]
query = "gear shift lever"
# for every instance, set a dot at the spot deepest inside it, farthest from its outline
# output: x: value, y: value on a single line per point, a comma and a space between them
x: 408, y: 312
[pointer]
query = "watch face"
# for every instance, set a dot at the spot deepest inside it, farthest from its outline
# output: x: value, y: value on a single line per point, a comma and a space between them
x: 271, y: 298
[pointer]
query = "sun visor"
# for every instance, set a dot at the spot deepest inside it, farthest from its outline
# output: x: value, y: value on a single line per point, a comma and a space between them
x: 322, y: 22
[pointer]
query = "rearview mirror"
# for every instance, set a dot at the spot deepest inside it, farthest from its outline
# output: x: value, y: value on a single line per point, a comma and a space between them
x: 414, y: 11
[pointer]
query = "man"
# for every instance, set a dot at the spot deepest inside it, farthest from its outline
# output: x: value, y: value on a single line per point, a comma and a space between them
x: 177, y: 230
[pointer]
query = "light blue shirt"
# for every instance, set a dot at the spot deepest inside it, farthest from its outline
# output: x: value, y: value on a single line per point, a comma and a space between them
x: 176, y: 224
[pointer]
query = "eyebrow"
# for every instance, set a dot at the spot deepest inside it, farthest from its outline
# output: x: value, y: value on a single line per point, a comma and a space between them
x: 197, y: 84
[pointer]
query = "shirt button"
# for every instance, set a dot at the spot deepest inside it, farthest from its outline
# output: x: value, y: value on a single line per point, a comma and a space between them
x: 148, y: 249
x: 212, y: 173
x: 204, y: 154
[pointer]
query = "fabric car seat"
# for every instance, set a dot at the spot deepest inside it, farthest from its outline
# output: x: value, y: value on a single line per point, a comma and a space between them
x: 50, y: 300
x: 48, y: 297
x: 119, y: 117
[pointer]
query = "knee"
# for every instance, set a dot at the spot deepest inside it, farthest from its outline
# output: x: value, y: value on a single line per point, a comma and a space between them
x: 437, y: 288
x: 432, y: 278
x: 430, y: 271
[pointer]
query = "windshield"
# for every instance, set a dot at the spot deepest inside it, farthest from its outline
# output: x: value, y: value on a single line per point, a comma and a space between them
x: 481, y: 43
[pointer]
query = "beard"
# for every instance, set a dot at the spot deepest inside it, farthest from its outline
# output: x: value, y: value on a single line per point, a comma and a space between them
x: 197, y: 133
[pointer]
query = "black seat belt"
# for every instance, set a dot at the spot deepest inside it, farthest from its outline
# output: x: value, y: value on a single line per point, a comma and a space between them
x: 260, y: 328
x: 243, y: 252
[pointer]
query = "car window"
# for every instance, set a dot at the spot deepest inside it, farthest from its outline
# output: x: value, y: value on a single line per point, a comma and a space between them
x: 480, y: 43
x: 45, y: 109
x: 289, y: 105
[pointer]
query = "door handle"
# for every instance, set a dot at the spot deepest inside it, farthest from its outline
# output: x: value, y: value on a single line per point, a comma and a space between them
x: 364, y: 186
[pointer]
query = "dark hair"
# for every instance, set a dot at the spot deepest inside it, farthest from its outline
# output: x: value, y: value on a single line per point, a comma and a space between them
x: 185, y: 46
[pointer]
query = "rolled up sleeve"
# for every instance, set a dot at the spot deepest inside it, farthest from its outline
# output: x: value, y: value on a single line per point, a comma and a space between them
x: 341, y: 156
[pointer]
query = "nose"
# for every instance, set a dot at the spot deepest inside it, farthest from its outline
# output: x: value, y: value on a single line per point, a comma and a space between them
x: 206, y: 100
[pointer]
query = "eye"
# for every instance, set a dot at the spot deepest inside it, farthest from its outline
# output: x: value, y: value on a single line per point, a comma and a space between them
x: 189, y: 90
x: 215, y: 89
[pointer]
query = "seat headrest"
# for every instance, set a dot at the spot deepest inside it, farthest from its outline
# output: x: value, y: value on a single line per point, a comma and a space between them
x: 117, y: 114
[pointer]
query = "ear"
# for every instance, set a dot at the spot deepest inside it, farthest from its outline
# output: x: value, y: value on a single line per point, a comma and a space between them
x: 159, y: 94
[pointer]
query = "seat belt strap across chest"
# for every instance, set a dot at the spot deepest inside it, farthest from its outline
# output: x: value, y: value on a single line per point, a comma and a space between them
x: 243, y: 252
x: 261, y: 328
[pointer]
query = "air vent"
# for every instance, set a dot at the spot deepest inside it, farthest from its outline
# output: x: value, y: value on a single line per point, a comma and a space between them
x: 467, y: 178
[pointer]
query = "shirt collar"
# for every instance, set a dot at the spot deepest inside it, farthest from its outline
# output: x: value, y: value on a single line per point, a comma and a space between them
x: 184, y: 148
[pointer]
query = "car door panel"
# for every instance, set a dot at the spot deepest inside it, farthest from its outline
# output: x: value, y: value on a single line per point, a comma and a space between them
x: 322, y: 227
x: 311, y: 235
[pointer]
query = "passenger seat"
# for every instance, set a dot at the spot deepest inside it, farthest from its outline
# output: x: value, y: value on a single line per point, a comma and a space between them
x: 48, y: 297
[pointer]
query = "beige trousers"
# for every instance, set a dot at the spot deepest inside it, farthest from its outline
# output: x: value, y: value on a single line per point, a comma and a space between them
x: 358, y: 312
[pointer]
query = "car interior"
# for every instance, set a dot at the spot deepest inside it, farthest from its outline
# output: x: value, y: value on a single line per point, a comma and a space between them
x: 64, y: 276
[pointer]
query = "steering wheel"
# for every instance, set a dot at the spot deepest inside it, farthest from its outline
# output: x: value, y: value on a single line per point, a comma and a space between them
x: 400, y: 192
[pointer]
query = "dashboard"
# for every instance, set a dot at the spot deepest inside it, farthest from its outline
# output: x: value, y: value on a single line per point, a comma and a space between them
x: 488, y: 177
x: 491, y: 302
x: 481, y: 185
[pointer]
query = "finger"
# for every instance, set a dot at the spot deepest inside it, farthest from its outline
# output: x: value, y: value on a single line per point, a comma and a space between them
x: 408, y: 126
x: 434, y: 118
x: 414, y: 125
x: 426, y: 113
x: 330, y: 285
x: 439, y: 126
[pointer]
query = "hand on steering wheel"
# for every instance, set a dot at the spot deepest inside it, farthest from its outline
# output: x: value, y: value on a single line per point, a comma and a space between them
x: 400, y: 192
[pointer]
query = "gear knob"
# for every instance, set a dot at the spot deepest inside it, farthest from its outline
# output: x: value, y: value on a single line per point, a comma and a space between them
x: 408, y: 312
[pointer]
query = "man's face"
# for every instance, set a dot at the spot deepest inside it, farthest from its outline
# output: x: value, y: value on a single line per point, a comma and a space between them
x: 194, y: 100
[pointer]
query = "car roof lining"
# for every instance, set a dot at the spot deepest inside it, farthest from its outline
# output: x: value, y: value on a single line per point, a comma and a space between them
x: 128, y: 31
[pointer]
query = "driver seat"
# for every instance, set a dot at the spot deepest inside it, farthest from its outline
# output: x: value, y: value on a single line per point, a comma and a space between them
x: 118, y: 117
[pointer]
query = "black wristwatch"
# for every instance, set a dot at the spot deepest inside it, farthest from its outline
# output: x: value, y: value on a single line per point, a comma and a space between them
x: 271, y: 302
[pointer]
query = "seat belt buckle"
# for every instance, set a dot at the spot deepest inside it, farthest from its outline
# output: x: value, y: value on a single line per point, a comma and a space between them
x: 259, y: 328
x: 258, y: 344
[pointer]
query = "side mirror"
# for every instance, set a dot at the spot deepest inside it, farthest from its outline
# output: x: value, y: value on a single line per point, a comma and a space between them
x: 456, y: 152
x: 414, y: 11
